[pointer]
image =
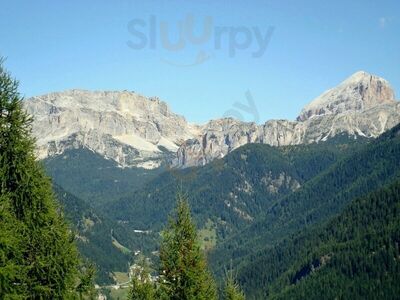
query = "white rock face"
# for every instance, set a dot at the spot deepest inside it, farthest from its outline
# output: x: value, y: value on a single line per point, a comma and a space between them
x: 217, y: 138
x: 362, y: 105
x: 137, y: 131
x: 359, y: 92
x: 123, y: 126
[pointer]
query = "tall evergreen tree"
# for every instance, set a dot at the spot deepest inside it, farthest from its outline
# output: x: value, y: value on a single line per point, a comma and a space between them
x: 232, y: 289
x: 183, y: 266
x: 38, y: 256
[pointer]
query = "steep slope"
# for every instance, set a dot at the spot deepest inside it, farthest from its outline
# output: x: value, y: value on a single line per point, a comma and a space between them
x: 95, y: 234
x: 354, y: 256
x: 325, y: 195
x: 231, y: 192
x: 95, y: 179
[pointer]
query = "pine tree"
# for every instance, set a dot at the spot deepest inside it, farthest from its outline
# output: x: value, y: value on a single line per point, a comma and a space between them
x: 232, y: 290
x: 142, y: 287
x: 44, y: 260
x: 184, y: 273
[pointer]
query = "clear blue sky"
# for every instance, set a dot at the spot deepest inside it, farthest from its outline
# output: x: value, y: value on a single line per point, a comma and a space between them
x: 58, y: 45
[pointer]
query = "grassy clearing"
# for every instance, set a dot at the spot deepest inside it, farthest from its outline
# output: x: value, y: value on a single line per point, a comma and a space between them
x: 121, y: 277
x: 208, y: 236
x: 120, y: 247
x: 120, y: 294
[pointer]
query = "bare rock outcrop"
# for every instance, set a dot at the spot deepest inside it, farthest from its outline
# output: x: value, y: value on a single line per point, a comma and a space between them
x: 363, y: 105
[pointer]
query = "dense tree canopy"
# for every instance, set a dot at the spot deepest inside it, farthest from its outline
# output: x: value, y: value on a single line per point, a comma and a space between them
x: 353, y: 256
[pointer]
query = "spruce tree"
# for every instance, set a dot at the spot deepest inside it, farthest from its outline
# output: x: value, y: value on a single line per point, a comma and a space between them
x: 38, y: 256
x: 184, y: 273
x: 232, y: 289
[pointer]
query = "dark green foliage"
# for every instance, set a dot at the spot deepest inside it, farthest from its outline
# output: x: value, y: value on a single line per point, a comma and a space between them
x: 321, y: 197
x: 85, y: 288
x: 184, y: 273
x: 211, y: 186
x: 39, y: 258
x: 10, y: 258
x: 94, y: 178
x: 353, y: 256
x: 94, y: 236
x: 232, y: 289
x: 97, y: 181
x: 339, y: 170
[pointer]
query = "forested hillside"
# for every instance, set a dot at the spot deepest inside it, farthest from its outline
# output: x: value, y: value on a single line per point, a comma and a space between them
x: 225, y: 195
x: 374, y: 165
x: 98, y: 238
x: 93, y: 178
x: 354, y: 256
x: 231, y: 192
x: 246, y: 203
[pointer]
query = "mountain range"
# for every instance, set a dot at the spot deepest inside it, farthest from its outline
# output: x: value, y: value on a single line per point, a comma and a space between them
x: 261, y: 195
x: 136, y: 131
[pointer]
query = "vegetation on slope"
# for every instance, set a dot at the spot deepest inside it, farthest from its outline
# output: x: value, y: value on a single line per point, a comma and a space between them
x: 320, y: 198
x: 230, y: 192
x: 95, y: 235
x: 356, y: 255
x: 93, y: 178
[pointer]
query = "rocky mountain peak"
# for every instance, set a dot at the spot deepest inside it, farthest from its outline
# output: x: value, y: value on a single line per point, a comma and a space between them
x: 127, y: 127
x: 359, y: 92
x: 362, y: 105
